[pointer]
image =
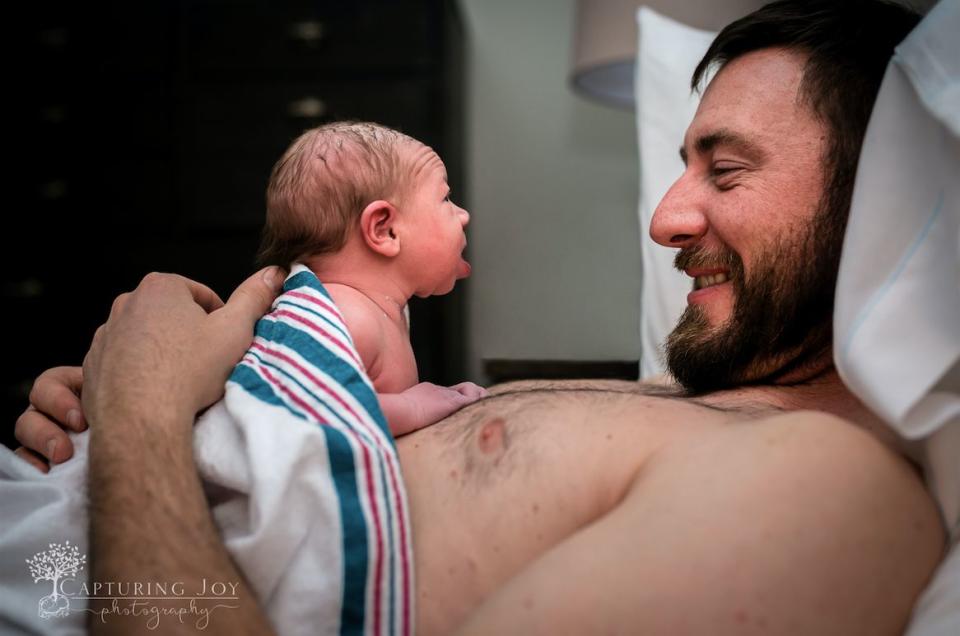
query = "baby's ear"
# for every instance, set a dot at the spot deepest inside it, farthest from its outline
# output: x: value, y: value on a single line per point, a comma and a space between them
x: 378, y: 227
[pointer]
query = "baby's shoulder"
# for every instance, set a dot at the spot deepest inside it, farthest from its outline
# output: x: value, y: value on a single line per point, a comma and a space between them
x: 344, y: 294
x: 364, y: 321
x: 356, y: 307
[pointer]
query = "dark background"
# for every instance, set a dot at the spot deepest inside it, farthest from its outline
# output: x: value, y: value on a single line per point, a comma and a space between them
x: 141, y: 137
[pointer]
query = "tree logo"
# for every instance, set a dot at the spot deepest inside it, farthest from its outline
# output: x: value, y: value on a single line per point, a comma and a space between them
x: 61, y: 562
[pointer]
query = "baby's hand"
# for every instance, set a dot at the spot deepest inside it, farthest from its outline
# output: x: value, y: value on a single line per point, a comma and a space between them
x: 426, y: 403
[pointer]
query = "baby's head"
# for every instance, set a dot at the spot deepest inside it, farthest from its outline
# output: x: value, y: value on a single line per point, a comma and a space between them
x: 350, y: 179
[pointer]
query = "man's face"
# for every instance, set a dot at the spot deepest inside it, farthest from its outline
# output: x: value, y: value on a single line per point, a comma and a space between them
x: 747, y: 218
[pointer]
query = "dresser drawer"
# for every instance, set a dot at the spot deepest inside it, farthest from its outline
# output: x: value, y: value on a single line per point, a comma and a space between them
x: 341, y: 37
x: 236, y: 132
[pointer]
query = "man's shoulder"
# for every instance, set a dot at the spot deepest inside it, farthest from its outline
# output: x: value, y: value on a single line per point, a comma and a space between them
x: 798, y: 432
x: 803, y: 495
x: 803, y: 452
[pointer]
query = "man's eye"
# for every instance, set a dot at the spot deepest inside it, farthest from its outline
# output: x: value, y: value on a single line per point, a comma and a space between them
x: 724, y: 175
x: 720, y: 170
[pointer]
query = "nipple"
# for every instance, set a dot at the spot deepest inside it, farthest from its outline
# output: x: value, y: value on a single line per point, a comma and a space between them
x: 491, y: 436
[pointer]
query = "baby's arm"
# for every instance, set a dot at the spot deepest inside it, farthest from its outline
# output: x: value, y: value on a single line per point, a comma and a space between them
x: 420, y: 405
x: 426, y: 403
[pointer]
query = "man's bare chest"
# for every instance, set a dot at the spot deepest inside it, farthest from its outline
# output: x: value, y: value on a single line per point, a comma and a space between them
x: 496, y: 485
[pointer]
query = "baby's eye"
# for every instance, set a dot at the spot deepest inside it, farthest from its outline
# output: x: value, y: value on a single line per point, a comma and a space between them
x: 447, y: 198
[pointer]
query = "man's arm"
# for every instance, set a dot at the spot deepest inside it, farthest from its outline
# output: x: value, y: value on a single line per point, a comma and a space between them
x: 163, y: 355
x: 801, y: 524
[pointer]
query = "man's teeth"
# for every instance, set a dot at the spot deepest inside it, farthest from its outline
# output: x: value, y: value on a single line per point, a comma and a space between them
x: 706, y: 281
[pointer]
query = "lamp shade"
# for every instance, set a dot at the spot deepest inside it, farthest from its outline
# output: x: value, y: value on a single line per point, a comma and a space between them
x: 605, y: 40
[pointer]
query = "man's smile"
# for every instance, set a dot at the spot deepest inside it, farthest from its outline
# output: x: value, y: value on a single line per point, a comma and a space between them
x: 708, y: 281
x: 704, y: 277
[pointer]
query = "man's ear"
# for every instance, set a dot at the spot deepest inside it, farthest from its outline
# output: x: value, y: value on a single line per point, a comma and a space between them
x: 378, y: 223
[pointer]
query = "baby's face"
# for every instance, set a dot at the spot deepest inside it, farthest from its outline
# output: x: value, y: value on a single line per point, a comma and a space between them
x: 433, y: 240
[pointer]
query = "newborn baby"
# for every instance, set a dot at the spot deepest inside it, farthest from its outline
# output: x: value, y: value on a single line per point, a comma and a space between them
x: 367, y: 209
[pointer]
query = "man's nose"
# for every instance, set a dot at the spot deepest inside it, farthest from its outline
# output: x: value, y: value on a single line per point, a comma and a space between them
x: 679, y: 220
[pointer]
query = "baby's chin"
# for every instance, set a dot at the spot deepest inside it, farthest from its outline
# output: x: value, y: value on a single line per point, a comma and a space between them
x: 463, y: 271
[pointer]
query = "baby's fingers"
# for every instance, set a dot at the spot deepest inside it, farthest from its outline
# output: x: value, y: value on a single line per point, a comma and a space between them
x: 470, y: 390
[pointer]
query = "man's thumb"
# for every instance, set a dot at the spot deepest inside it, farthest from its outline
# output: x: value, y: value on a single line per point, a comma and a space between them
x: 252, y: 299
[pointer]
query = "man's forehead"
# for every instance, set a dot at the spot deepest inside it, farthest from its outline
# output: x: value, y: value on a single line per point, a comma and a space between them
x: 753, y: 97
x: 764, y: 73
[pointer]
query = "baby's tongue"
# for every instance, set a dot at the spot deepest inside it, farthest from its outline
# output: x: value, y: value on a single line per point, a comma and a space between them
x: 464, y: 270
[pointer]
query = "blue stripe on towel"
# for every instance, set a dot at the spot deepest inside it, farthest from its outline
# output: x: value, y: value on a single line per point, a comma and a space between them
x: 355, y: 547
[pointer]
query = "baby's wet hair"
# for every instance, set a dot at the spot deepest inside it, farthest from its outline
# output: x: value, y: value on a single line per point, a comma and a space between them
x: 322, y: 183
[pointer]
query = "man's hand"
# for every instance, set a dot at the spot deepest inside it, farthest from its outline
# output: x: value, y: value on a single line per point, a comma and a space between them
x: 425, y: 403
x: 55, y: 406
x: 54, y: 409
x: 170, y: 344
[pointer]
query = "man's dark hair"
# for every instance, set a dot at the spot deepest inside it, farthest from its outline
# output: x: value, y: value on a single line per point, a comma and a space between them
x: 848, y: 44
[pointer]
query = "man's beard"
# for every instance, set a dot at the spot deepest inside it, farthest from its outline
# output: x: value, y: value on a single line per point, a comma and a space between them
x: 781, y: 318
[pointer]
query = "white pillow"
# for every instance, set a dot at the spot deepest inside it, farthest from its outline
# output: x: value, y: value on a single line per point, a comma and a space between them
x: 897, y: 318
x: 667, y: 54
x: 898, y: 294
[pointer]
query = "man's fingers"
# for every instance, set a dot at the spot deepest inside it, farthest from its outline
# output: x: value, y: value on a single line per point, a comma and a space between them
x: 252, y: 299
x: 33, y: 459
x: 202, y: 295
x: 42, y: 435
x: 56, y: 393
x: 118, y: 303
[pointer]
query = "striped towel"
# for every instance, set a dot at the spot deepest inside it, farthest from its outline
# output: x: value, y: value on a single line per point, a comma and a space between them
x: 303, y: 477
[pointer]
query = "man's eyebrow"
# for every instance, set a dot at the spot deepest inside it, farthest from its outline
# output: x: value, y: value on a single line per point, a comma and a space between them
x: 706, y: 143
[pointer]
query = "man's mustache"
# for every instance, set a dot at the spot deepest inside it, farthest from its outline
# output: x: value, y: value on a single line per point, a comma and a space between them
x: 701, y: 257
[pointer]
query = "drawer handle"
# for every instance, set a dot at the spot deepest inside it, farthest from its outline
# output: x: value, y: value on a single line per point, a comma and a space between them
x: 53, y: 190
x: 25, y: 288
x: 307, y: 108
x: 55, y: 38
x: 54, y: 114
x: 308, y: 32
